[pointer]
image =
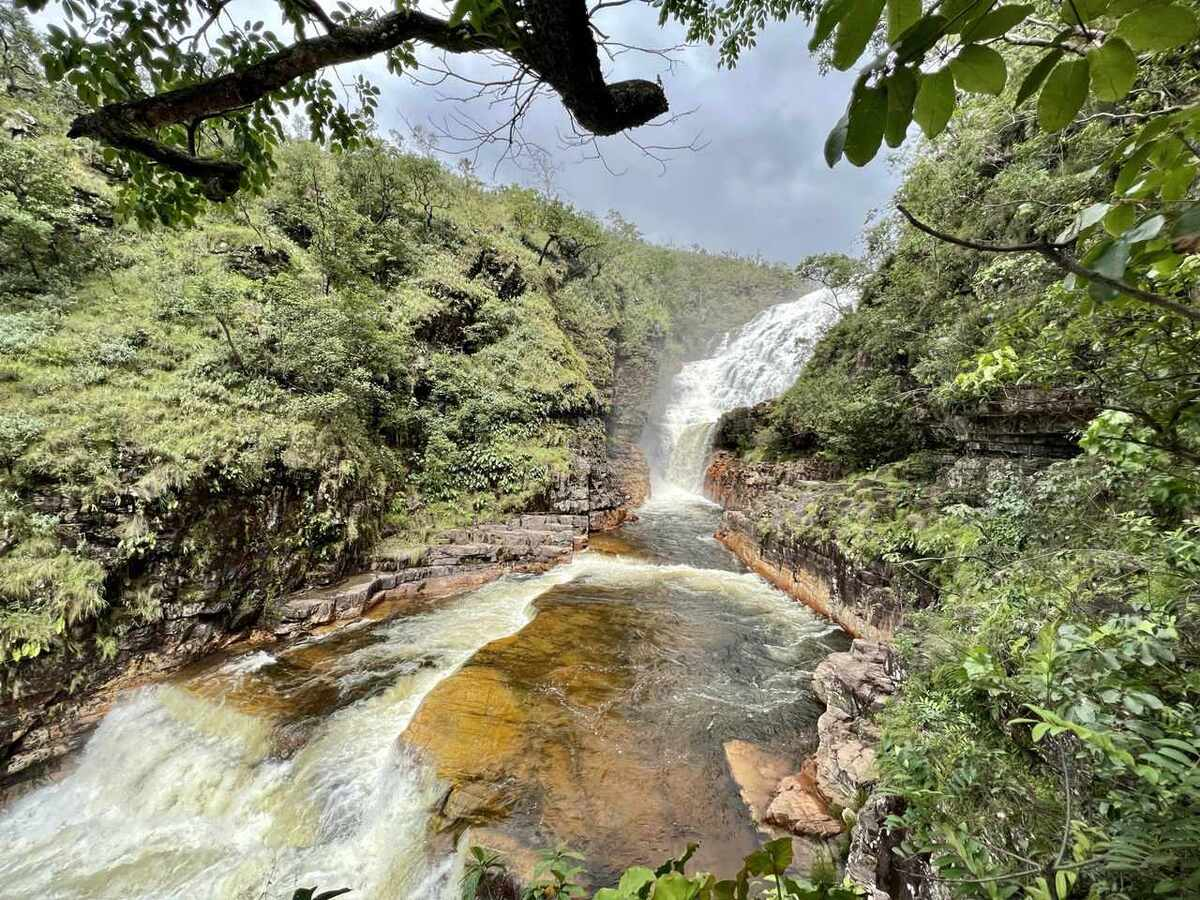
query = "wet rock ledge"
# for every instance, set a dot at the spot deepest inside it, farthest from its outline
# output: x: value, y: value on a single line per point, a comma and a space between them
x: 458, y: 560
x: 834, y: 788
x: 761, y: 501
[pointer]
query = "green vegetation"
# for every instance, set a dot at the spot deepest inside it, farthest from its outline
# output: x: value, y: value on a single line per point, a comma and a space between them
x: 1046, y: 743
x: 374, y: 346
x: 765, y: 875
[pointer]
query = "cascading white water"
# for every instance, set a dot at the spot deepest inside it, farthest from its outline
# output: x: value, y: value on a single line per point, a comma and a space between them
x: 279, y: 770
x: 189, y: 790
x: 186, y: 791
x: 758, y: 363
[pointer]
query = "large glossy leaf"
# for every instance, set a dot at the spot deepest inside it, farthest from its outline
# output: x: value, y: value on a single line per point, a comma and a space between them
x: 1063, y: 94
x: 1159, y: 27
x: 918, y: 39
x: 980, y: 70
x: 1145, y: 230
x: 1085, y: 220
x: 999, y: 21
x: 901, y: 94
x: 835, y: 144
x: 832, y: 12
x: 854, y: 31
x: 1111, y: 262
x: 868, y: 116
x: 1036, y: 76
x: 633, y: 880
x: 1119, y: 219
x: 675, y: 887
x: 1113, y: 68
x: 901, y: 16
x: 935, y: 102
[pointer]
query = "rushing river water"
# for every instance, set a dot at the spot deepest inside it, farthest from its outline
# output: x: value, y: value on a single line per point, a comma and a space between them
x: 591, y: 706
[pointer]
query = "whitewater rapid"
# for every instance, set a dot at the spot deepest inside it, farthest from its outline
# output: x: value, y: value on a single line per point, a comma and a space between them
x: 757, y: 363
x: 262, y: 772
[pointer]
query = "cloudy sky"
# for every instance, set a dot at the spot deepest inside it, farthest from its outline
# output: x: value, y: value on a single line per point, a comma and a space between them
x: 759, y: 184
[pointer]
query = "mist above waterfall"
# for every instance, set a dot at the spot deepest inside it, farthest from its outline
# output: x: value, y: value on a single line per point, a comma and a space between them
x: 757, y: 363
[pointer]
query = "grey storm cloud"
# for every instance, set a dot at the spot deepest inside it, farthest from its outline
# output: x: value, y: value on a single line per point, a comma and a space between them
x: 758, y: 185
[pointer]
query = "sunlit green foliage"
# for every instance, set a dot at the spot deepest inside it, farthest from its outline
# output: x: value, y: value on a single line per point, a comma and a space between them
x: 766, y: 874
x: 376, y: 344
x: 1045, y: 742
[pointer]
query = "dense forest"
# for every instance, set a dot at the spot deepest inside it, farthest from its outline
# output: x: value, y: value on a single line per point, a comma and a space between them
x: 1048, y: 726
x: 404, y: 345
x: 364, y: 345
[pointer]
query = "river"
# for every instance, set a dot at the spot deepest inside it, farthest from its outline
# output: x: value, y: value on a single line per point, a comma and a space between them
x: 592, y: 706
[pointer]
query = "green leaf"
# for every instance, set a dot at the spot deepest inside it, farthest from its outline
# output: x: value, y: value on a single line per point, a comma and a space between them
x: 854, y: 31
x: 1158, y: 27
x: 921, y: 37
x: 674, y: 887
x: 999, y: 21
x: 1037, y: 75
x: 677, y: 863
x: 1114, y: 69
x: 1076, y: 12
x: 901, y: 94
x: 779, y: 852
x: 902, y: 15
x: 836, y: 142
x: 1119, y: 219
x: 827, y: 19
x: 1177, y: 182
x: 1188, y: 223
x: 1085, y: 220
x: 1063, y: 95
x: 980, y: 70
x: 1145, y: 231
x: 1131, y: 169
x: 868, y: 116
x: 1112, y: 263
x: 634, y: 879
x: 935, y: 102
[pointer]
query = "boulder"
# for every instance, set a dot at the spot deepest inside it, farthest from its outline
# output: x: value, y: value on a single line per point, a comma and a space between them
x: 757, y: 772
x: 854, y: 686
x: 800, y: 808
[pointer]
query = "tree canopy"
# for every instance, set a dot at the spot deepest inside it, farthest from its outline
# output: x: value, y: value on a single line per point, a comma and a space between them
x: 191, y: 97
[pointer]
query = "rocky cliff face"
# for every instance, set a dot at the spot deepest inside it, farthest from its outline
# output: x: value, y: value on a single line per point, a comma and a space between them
x: 761, y: 500
x: 229, y: 565
x: 217, y: 560
x: 1023, y: 422
x: 762, y: 503
x: 603, y: 482
x: 50, y: 720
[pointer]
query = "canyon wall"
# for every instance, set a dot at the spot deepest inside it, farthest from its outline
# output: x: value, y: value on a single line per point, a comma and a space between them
x: 762, y: 503
x: 232, y: 566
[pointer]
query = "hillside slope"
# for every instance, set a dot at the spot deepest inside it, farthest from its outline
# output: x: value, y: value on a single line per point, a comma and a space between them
x: 1000, y: 473
x: 196, y: 421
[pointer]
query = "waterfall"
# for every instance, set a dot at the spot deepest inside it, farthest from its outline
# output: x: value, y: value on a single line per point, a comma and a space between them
x: 758, y: 363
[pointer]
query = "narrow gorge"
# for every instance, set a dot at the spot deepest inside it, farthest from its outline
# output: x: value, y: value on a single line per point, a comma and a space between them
x: 419, y: 716
x: 598, y: 450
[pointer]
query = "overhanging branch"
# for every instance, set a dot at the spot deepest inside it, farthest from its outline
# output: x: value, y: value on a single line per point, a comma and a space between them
x: 557, y: 44
x: 1057, y: 254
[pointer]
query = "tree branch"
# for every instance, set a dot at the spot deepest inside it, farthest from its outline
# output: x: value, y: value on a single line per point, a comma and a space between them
x: 1057, y: 254
x: 556, y: 44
